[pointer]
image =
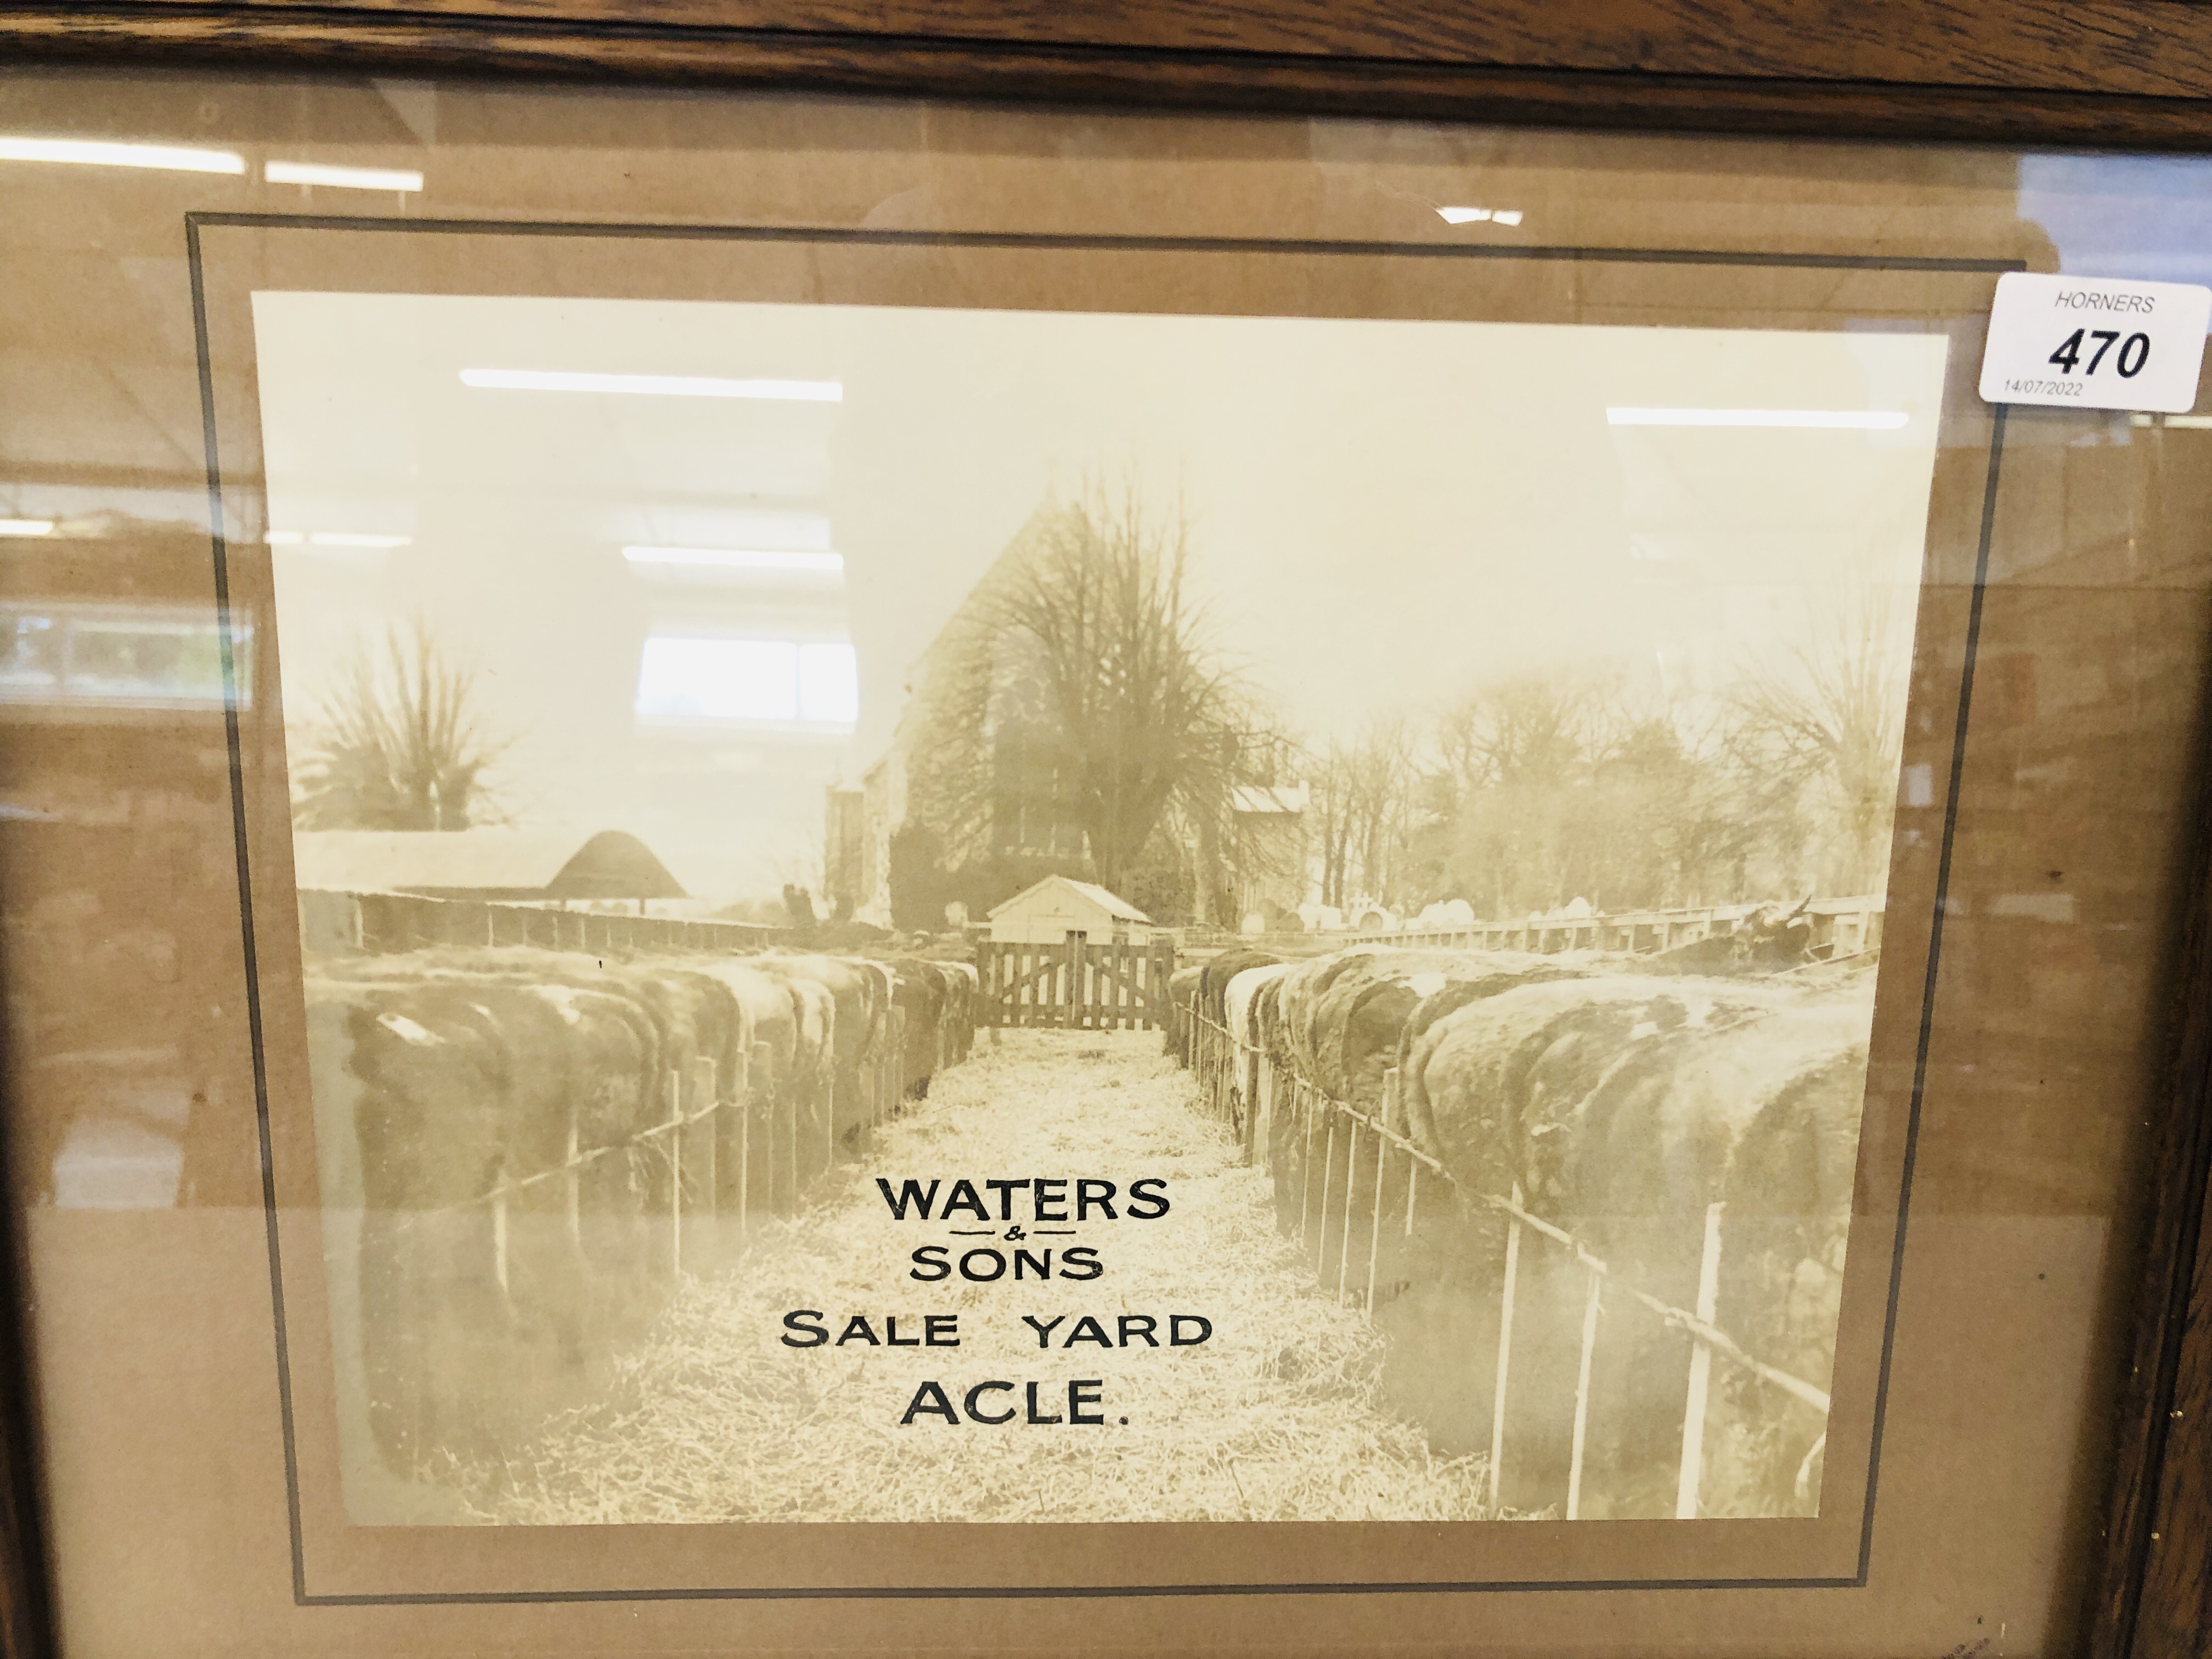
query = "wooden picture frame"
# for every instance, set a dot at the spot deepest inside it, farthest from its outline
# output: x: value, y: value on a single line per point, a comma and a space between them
x: 2114, y: 73
x: 2109, y: 74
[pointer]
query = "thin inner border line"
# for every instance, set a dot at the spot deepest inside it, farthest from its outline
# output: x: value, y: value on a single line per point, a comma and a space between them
x: 1081, y: 242
x: 301, y: 1596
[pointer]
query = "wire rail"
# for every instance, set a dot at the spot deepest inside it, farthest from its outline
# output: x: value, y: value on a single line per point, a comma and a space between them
x: 788, y: 1114
x: 1228, y: 1069
x: 1856, y: 921
x: 731, y: 1145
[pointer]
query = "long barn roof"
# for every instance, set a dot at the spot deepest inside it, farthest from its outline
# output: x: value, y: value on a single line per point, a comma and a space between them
x: 555, y: 863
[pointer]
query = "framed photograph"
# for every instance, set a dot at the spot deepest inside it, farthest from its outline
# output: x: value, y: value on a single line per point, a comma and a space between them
x: 866, y: 873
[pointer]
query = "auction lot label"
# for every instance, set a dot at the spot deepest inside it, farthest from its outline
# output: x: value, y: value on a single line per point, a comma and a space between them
x: 2095, y: 343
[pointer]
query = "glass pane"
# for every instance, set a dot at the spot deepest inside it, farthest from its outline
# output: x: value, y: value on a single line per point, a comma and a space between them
x: 1270, y: 856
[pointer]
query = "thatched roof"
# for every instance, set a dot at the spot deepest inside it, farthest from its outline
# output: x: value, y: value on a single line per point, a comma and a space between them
x: 481, y: 863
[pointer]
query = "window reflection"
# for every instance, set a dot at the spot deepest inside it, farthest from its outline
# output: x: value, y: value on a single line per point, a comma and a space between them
x: 116, y: 657
x: 750, y: 682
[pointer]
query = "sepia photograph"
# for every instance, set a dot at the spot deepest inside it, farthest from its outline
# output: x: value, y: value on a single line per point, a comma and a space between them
x: 924, y: 915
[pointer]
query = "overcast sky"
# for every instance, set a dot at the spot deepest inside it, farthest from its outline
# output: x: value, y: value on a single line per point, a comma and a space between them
x: 1386, y: 514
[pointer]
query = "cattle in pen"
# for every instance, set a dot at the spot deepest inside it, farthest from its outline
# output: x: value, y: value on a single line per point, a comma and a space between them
x: 1620, y: 1110
x: 1338, y: 1026
x: 521, y: 1144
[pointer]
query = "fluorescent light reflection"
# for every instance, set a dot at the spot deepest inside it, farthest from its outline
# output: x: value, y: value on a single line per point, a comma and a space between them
x: 1853, y: 420
x: 26, y: 526
x: 355, y: 539
x: 1475, y: 215
x: 333, y: 538
x: 654, y: 386
x: 737, y: 558
x: 752, y: 682
x: 315, y: 172
x: 87, y: 152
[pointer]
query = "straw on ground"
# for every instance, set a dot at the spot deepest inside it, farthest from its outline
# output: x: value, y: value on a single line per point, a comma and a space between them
x: 1276, y: 1417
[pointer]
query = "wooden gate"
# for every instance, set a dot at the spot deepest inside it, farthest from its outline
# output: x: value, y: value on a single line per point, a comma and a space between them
x: 1076, y: 984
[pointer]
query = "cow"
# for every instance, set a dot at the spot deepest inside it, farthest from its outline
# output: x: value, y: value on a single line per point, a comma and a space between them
x: 963, y: 986
x: 819, y: 1061
x: 921, y: 991
x: 1619, y: 1108
x: 460, y: 1094
x: 1771, y: 939
x: 749, y: 1160
x: 1182, y: 1002
x: 1239, y: 1001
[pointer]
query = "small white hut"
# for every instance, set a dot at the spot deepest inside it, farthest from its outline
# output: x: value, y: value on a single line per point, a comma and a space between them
x: 1056, y: 907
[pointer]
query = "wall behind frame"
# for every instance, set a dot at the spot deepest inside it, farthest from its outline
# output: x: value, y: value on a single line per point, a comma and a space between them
x: 2132, y: 646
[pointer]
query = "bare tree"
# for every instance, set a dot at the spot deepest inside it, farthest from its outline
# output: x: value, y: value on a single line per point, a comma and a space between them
x: 1534, y: 730
x: 1554, y: 787
x: 1831, y: 716
x: 1516, y: 761
x: 401, y: 742
x: 1365, y: 797
x: 1138, y: 715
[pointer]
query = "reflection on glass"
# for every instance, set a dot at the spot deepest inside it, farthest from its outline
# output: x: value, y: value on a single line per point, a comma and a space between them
x: 93, y: 152
x: 1852, y: 420
x: 733, y: 558
x: 654, y: 386
x: 816, y: 683
x: 318, y: 173
x: 136, y: 657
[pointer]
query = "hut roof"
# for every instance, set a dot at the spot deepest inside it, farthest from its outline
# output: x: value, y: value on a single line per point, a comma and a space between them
x: 1257, y: 799
x: 1120, y: 909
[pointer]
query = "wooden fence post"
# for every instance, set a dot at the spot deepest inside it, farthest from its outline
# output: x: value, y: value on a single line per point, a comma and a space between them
x: 791, y: 1148
x: 1591, y: 1297
x: 769, y: 1151
x: 1375, y: 1232
x: 753, y: 1067
x: 572, y: 1190
x: 877, y: 1069
x: 1217, y: 1041
x: 1226, y: 1064
x: 1344, y: 1244
x: 1328, y: 1165
x: 1505, y: 1352
x: 1304, y: 1097
x: 1701, y: 1371
x: 1263, y: 1106
x: 675, y: 1137
x: 499, y: 1240
x: 757, y: 1074
x: 703, y: 1128
x: 894, y: 1090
